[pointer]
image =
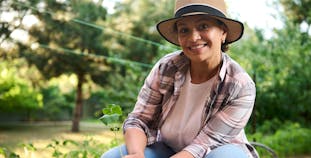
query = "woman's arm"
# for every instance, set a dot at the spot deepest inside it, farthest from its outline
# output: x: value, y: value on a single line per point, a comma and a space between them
x: 136, y: 141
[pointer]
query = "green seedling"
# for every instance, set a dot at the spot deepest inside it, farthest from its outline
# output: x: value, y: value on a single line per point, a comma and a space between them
x: 112, y: 116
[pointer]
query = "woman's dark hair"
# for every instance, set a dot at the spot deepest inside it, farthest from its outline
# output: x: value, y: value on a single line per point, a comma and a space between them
x: 225, y: 45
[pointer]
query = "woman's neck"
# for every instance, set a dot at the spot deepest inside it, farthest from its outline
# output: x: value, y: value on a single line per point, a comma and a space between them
x: 203, y: 71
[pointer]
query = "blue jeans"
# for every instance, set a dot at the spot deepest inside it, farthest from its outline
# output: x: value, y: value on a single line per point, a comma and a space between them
x: 160, y: 150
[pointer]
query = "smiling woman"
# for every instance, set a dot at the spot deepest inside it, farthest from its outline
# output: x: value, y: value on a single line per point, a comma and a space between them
x: 195, y: 102
x: 210, y: 35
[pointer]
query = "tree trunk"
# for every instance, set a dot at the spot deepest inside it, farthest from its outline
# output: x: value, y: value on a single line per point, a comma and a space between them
x: 78, y: 108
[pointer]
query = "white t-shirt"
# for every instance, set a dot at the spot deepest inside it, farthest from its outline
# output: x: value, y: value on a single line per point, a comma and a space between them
x: 186, y: 119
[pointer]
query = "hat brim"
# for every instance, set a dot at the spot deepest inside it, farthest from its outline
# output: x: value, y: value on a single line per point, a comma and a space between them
x: 167, y: 30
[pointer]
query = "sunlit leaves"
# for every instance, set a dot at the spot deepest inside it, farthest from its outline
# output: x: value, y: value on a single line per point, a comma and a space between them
x: 16, y: 94
x: 112, y: 115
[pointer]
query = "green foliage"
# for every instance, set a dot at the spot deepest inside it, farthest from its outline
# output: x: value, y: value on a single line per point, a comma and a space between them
x: 289, y: 139
x: 122, y: 90
x: 298, y: 11
x: 289, y: 90
x: 60, y: 45
x: 134, y: 22
x: 112, y: 109
x: 16, y: 95
x: 112, y: 116
x: 280, y: 68
x: 57, y: 19
x: 56, y: 105
x: 7, y: 153
x: 279, y: 65
x: 89, y: 148
x: 28, y: 148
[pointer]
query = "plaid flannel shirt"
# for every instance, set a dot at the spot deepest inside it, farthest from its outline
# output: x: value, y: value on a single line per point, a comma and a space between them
x: 227, y: 109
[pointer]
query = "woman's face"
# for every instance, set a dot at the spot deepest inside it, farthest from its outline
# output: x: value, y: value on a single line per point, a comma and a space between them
x: 200, y: 37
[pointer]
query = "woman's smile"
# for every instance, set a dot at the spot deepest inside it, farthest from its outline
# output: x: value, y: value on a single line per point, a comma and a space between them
x: 200, y: 38
x: 197, y: 47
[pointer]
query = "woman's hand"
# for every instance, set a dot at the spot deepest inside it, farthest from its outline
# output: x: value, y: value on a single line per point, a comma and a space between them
x: 182, y: 154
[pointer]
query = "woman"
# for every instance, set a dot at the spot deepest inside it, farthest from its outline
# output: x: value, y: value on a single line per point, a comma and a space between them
x: 196, y: 102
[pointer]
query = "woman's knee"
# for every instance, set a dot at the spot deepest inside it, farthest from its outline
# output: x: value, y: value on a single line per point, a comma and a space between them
x: 227, y: 151
x: 157, y: 150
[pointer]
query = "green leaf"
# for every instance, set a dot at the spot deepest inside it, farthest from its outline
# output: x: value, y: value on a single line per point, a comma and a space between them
x: 112, y: 114
x: 57, y: 153
x: 29, y: 147
x: 84, y: 154
x: 112, y: 109
x: 114, y: 128
x: 49, y: 146
x: 2, y: 151
x: 110, y: 119
x: 70, y: 141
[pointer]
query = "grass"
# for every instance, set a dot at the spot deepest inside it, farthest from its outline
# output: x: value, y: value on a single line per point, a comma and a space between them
x: 41, y: 134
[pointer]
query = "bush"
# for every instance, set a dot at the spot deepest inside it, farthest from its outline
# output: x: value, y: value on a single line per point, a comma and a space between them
x: 56, y: 105
x: 18, y: 97
x: 288, y: 140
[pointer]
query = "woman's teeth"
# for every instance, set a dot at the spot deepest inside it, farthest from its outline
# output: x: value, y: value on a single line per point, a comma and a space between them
x: 197, y: 47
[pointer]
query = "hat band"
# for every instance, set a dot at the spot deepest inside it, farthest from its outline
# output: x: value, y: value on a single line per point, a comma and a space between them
x: 199, y: 8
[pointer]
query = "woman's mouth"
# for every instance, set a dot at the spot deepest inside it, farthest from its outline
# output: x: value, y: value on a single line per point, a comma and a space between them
x: 197, y: 46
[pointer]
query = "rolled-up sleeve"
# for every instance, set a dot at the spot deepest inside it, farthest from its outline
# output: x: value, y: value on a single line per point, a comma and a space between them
x: 146, y: 107
x: 153, y: 95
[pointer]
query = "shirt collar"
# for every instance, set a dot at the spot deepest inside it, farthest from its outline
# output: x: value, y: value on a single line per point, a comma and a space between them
x: 183, y: 64
x: 223, y: 68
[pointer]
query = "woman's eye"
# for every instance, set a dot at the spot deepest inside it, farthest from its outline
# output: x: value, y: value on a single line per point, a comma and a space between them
x: 183, y: 30
x: 203, y: 27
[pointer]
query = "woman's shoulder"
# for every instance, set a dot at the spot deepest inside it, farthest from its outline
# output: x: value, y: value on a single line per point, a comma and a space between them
x: 236, y: 72
x: 174, y: 56
x: 175, y: 60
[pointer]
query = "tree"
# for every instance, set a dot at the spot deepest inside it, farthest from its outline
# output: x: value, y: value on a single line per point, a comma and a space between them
x: 59, y: 31
x: 16, y: 94
x: 138, y: 18
x: 58, y: 44
x: 131, y: 34
x: 280, y: 66
x: 298, y: 11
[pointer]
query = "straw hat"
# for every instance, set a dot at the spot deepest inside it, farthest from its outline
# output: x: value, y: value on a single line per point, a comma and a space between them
x: 213, y: 8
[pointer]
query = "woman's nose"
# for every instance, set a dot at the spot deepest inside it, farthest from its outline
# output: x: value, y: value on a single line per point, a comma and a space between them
x: 195, y: 35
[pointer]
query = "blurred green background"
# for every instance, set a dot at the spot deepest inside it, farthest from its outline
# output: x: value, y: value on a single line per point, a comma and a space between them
x: 66, y: 60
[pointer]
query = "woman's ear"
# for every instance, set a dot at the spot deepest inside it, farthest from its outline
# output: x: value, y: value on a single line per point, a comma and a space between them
x: 224, y: 36
x: 224, y: 33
